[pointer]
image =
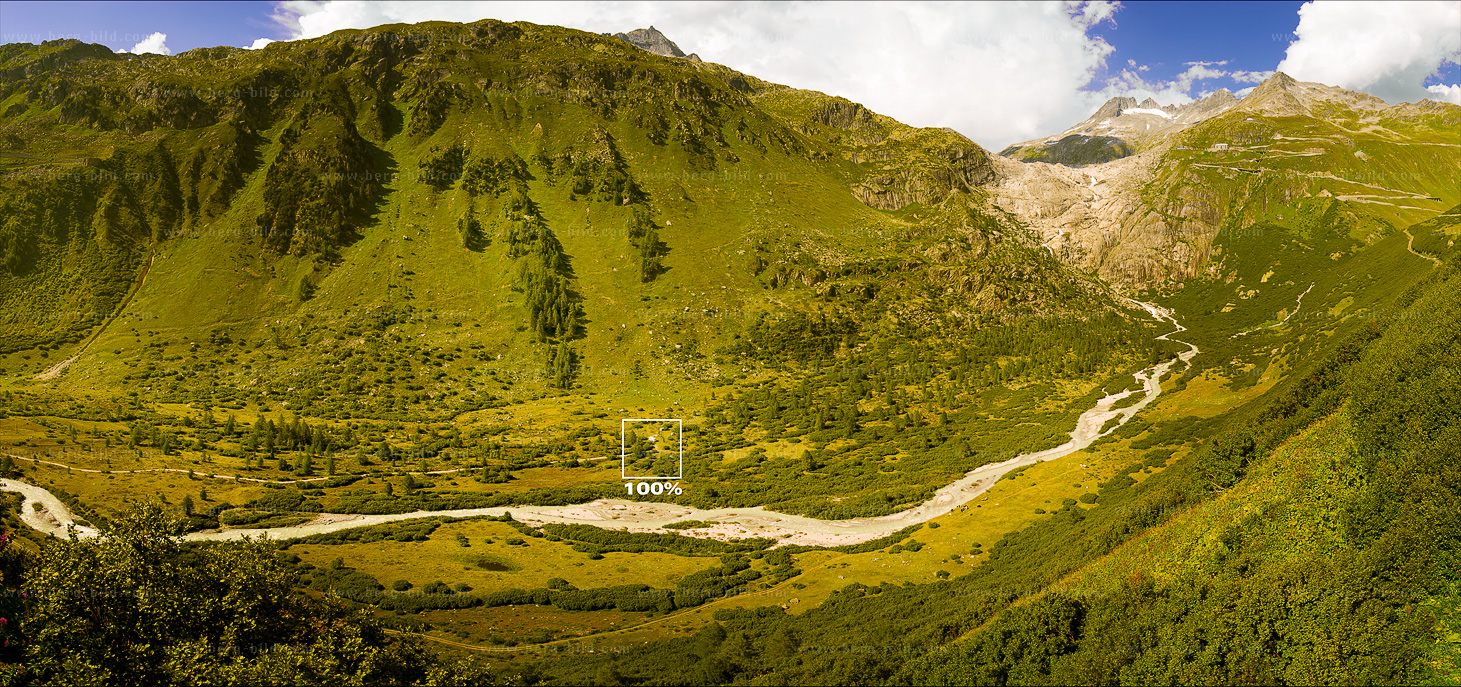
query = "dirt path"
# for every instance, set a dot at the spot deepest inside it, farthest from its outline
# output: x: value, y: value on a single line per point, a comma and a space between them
x: 1297, y: 305
x: 56, y: 370
x: 732, y: 523
x: 1410, y: 246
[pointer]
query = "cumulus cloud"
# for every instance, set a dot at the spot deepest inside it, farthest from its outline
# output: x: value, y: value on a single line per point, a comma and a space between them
x: 1450, y: 94
x: 1387, y: 49
x: 1130, y: 82
x: 258, y: 43
x: 1197, y: 72
x: 155, y: 43
x: 997, y: 72
x: 1250, y: 77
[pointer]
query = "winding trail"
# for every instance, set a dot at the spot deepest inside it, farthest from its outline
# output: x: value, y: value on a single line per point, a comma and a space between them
x: 54, y: 518
x: 1299, y: 304
x: 1410, y: 246
x: 56, y: 370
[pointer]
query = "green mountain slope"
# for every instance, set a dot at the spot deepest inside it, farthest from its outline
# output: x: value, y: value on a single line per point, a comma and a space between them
x: 456, y: 223
x: 234, y: 162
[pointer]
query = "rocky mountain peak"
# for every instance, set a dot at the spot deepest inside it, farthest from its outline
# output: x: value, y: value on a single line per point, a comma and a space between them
x: 651, y: 40
x: 1113, y: 108
x: 1150, y: 104
x: 1221, y: 97
x: 1280, y: 80
x: 1280, y: 85
x: 1283, y: 95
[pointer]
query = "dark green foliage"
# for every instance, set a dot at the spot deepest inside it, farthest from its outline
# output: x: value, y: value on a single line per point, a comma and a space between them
x: 470, y: 231
x: 406, y: 531
x: 321, y: 188
x: 211, y: 613
x: 562, y: 365
x: 688, y: 525
x: 644, y: 236
x: 491, y: 176
x: 431, y: 109
x: 442, y: 168
x: 590, y: 539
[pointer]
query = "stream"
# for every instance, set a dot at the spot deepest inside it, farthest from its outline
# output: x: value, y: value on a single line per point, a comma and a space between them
x: 54, y: 518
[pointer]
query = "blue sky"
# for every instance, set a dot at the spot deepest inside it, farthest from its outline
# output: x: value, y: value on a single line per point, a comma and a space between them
x: 1166, y: 36
x: 1047, y: 65
x: 121, y: 25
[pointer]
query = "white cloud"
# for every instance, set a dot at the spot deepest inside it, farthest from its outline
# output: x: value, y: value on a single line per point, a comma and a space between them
x: 1197, y: 72
x: 258, y: 43
x: 997, y: 72
x: 1386, y: 49
x: 1175, y: 92
x: 1250, y: 77
x: 1450, y: 94
x: 155, y: 43
x: 1090, y: 14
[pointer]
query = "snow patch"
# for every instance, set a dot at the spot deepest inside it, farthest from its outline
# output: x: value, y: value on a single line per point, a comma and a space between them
x: 1146, y: 110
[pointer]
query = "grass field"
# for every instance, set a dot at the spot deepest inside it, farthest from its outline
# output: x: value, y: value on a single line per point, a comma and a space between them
x: 527, y: 566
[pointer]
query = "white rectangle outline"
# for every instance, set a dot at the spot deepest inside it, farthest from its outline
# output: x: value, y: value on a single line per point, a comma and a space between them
x: 623, y: 456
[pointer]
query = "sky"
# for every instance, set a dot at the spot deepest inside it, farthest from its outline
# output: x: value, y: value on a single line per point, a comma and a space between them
x: 999, y: 72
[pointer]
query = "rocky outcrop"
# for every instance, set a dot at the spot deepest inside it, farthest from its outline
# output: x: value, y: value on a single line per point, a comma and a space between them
x: 926, y: 179
x: 844, y: 114
x: 651, y: 40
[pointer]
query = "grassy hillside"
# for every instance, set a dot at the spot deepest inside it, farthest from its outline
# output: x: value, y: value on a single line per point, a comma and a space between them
x: 510, y: 236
